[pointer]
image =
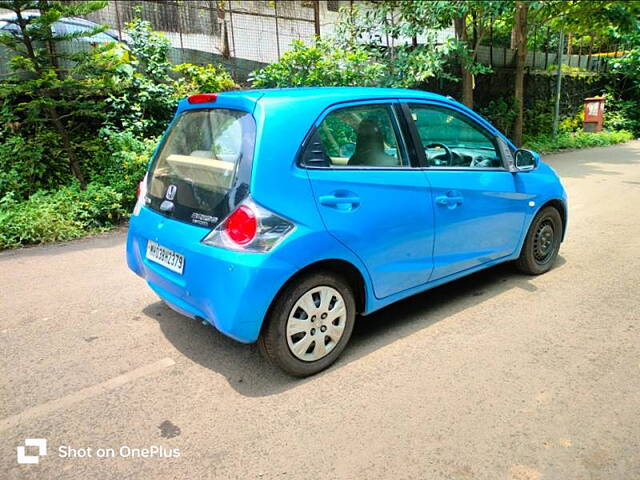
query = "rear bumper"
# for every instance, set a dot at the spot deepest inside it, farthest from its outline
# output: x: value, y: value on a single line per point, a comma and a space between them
x: 231, y: 290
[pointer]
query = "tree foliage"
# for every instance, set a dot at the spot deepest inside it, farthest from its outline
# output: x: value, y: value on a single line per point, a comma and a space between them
x: 79, y: 119
x: 320, y: 64
x: 48, y: 81
x: 471, y: 20
x: 599, y: 18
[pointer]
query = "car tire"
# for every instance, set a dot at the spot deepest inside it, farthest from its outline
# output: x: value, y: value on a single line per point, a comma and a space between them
x: 542, y: 242
x: 293, y: 338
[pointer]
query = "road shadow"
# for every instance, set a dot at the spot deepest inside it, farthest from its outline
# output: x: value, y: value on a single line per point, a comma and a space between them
x: 251, y: 375
x: 594, y: 161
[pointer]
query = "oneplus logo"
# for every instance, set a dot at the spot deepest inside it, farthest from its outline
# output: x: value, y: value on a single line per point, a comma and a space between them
x: 41, y: 443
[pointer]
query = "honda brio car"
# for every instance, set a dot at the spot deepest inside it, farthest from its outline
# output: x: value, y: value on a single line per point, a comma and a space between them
x: 277, y: 216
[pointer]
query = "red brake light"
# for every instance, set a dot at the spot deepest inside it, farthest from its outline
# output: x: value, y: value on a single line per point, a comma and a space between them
x: 242, y: 225
x: 202, y: 98
x: 249, y: 228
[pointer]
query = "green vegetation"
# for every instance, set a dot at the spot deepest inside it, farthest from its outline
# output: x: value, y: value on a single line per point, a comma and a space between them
x: 79, y: 125
x: 320, y: 64
x: 567, y: 141
x: 63, y: 214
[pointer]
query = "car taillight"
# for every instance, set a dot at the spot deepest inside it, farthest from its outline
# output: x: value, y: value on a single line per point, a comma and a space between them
x: 242, y: 225
x: 249, y: 228
x: 140, y: 196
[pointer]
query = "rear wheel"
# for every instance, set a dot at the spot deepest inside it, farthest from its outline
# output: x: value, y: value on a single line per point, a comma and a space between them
x: 542, y: 243
x: 309, y: 325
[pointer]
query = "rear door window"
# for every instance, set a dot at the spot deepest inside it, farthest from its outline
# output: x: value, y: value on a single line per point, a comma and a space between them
x: 196, y: 169
x: 361, y: 136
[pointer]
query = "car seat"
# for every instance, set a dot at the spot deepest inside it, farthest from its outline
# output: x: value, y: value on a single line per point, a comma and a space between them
x: 370, y: 147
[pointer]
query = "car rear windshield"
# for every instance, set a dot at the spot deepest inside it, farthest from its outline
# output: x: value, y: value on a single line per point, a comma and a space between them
x: 196, y: 169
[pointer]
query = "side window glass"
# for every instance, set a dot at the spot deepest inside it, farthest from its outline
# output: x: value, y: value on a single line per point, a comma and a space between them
x: 450, y: 139
x: 362, y: 136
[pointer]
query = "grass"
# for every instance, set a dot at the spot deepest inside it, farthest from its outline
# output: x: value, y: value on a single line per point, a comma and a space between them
x: 573, y: 141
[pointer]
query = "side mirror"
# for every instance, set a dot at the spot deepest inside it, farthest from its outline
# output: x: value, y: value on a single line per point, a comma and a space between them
x: 526, y: 160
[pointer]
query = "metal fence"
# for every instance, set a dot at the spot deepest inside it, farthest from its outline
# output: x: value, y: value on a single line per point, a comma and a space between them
x: 245, y: 35
x: 578, y: 51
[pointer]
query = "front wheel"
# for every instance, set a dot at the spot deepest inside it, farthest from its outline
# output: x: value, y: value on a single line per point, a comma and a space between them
x: 309, y: 325
x: 542, y: 243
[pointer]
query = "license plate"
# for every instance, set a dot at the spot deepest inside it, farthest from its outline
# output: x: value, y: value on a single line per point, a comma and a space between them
x: 165, y: 257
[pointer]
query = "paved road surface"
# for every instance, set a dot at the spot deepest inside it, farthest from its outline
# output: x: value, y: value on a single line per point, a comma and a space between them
x: 496, y: 376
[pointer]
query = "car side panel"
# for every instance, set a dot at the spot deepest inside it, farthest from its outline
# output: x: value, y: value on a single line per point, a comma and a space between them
x: 542, y: 184
x: 485, y: 226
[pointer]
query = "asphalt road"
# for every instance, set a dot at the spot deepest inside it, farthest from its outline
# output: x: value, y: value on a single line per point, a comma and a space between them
x: 495, y: 376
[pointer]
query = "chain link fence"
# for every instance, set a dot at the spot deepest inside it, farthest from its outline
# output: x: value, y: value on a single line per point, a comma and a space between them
x: 242, y: 35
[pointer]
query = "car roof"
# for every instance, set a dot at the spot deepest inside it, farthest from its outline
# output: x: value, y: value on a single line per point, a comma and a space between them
x: 319, y: 98
x: 333, y: 94
x: 315, y: 98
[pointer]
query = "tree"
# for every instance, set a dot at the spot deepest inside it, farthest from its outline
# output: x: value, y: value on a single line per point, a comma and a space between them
x: 598, y: 18
x: 471, y: 21
x: 520, y: 44
x: 320, y: 64
x: 50, y: 82
x: 422, y: 19
x: 388, y: 31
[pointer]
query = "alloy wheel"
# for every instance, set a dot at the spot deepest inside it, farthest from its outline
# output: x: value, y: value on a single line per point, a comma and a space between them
x: 316, y: 323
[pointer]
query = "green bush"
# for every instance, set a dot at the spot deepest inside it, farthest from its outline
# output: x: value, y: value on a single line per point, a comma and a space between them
x: 501, y: 113
x: 147, y: 94
x: 574, y: 123
x: 63, y: 214
x: 146, y: 98
x: 202, y: 79
x: 564, y: 141
x: 97, y: 119
x: 122, y: 162
x: 28, y: 164
x: 538, y: 118
x: 320, y: 64
x: 621, y: 114
x: 68, y: 212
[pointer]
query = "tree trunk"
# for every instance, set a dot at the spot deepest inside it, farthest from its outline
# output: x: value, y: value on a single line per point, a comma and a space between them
x: 520, y: 29
x: 54, y: 116
x: 467, y: 88
x: 460, y: 25
x: 74, y: 163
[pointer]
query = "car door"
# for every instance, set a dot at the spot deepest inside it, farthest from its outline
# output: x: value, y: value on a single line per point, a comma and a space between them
x: 478, y: 204
x: 369, y: 195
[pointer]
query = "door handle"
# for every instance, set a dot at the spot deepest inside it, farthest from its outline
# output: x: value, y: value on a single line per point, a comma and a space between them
x: 341, y: 202
x: 451, y: 199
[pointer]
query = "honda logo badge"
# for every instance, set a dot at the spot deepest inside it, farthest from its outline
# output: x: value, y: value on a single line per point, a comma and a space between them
x: 171, y: 192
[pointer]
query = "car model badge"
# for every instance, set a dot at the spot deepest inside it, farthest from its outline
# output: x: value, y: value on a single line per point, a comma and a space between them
x: 171, y: 192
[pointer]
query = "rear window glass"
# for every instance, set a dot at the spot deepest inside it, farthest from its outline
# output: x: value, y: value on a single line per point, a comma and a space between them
x: 197, y: 166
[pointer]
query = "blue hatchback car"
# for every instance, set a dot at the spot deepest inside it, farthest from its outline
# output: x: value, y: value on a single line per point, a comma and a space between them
x: 278, y: 215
